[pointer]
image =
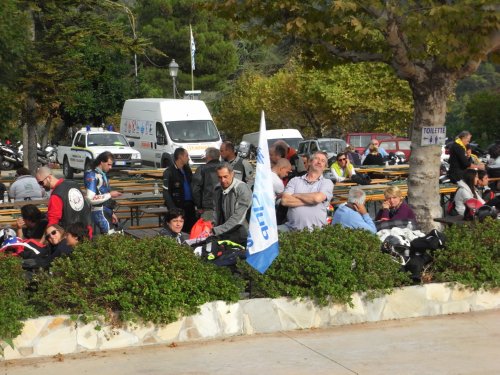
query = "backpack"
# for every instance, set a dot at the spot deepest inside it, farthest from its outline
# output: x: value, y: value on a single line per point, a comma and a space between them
x: 471, y: 207
x: 222, y: 252
x: 361, y: 179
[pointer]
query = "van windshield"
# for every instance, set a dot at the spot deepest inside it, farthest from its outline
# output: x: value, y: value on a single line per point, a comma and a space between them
x: 106, y: 139
x: 192, y: 131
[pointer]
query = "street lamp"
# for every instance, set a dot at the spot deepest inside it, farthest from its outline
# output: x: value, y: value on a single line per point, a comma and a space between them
x: 174, y: 69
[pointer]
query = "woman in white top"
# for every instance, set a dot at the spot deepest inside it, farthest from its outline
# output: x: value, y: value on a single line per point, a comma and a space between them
x: 467, y: 190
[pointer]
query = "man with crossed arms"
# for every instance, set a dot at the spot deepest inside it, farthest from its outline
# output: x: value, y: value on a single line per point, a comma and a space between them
x: 307, y: 197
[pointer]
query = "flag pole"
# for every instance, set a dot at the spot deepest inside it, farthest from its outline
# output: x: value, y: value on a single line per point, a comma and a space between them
x: 192, y: 49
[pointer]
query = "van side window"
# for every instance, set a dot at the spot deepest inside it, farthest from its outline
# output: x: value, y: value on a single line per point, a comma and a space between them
x: 313, y: 147
x: 161, y: 137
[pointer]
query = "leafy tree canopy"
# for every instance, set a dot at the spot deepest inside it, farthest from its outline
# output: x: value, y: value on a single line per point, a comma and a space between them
x: 355, y: 97
x: 166, y: 24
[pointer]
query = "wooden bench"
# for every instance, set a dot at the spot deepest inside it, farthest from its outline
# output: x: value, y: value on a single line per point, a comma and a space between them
x: 452, y: 220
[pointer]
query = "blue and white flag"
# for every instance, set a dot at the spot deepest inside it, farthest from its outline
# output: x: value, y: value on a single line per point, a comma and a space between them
x: 262, y: 242
x: 193, y: 47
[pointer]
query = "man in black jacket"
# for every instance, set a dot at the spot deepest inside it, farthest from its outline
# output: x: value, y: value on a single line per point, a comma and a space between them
x: 177, y: 187
x: 459, y: 161
x: 204, y: 181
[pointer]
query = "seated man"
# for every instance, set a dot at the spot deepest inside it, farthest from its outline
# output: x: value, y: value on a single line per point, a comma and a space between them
x: 232, y: 199
x: 307, y: 197
x: 353, y: 214
x: 32, y: 223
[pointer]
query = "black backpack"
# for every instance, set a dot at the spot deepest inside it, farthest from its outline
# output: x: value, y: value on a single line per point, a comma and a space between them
x: 222, y: 252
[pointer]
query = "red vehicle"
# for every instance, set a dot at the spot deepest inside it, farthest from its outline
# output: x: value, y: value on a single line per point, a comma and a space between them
x: 397, y: 144
x: 361, y: 140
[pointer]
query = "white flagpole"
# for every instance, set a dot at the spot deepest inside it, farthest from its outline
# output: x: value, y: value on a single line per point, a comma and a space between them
x: 192, y: 49
x: 262, y: 242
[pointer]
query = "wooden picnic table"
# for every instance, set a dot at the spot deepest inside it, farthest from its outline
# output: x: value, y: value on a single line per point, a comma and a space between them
x: 374, y: 181
x: 375, y: 193
x: 135, y: 201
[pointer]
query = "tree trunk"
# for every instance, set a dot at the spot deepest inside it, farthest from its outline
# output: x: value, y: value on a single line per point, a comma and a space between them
x: 30, y: 148
x: 423, y: 183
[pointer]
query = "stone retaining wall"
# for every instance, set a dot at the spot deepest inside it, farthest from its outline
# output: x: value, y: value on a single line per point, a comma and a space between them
x: 51, y: 335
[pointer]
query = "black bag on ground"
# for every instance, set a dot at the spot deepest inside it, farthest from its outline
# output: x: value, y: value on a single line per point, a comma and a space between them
x: 361, y: 179
x: 222, y: 252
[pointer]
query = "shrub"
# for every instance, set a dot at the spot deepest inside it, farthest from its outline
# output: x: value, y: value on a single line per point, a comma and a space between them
x: 327, y: 265
x: 471, y: 256
x: 14, y: 305
x: 154, y: 280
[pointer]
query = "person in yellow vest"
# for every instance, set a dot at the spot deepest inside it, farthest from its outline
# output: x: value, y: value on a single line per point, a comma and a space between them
x: 342, y: 169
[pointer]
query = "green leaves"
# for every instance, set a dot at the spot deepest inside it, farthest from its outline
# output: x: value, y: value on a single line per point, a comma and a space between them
x: 153, y: 280
x: 327, y: 265
x: 354, y: 97
x: 14, y: 305
x: 472, y: 255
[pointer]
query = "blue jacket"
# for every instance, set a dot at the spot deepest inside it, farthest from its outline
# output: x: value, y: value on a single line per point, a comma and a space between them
x: 349, y: 218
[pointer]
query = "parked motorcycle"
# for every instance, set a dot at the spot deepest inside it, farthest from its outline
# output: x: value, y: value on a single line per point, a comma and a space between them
x: 9, y: 158
x: 396, y: 158
x: 246, y: 150
x: 43, y: 156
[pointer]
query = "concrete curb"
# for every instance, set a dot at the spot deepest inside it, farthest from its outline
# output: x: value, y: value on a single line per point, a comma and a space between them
x: 51, y: 335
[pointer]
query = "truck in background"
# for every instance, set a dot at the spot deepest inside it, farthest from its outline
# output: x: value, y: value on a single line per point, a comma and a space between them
x: 290, y: 136
x: 159, y: 126
x: 360, y: 141
x: 88, y: 143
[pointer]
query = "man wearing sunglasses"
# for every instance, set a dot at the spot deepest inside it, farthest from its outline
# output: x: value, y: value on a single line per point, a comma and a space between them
x: 342, y: 169
x: 66, y: 203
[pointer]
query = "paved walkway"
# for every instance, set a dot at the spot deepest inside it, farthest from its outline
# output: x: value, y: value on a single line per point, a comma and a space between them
x: 454, y: 344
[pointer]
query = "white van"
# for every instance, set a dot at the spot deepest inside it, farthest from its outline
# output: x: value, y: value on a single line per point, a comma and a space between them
x: 290, y: 136
x: 159, y: 126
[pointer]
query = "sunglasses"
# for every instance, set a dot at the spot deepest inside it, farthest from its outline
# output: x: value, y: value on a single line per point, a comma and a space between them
x: 341, y: 159
x: 53, y: 233
x: 41, y: 182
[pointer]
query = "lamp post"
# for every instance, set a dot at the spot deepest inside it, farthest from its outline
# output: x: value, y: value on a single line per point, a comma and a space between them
x: 174, y: 69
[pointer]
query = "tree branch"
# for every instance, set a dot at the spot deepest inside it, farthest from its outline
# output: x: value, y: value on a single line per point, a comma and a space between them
x: 401, y: 62
x: 354, y: 56
x: 471, y: 66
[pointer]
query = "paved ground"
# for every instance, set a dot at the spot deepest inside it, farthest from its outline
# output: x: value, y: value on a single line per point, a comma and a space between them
x: 455, y: 344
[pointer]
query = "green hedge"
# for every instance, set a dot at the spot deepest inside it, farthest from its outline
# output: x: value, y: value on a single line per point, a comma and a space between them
x: 156, y: 280
x: 14, y: 306
x: 153, y: 280
x: 327, y: 265
x: 471, y: 257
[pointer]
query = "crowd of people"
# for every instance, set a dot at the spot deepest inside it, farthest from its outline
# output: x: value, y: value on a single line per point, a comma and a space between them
x: 220, y: 192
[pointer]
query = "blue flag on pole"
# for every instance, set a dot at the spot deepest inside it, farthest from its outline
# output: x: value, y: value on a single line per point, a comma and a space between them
x: 262, y: 242
x: 193, y: 47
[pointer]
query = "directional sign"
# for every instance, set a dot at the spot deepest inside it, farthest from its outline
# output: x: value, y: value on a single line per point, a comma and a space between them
x: 432, y: 135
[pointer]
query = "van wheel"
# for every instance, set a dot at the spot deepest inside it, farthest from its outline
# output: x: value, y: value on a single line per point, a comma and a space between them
x: 67, y: 170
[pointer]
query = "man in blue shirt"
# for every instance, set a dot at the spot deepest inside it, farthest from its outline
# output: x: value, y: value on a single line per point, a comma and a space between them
x: 353, y: 214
